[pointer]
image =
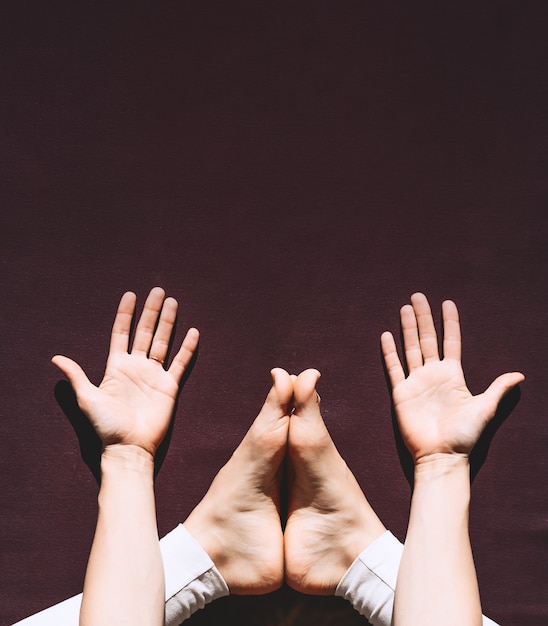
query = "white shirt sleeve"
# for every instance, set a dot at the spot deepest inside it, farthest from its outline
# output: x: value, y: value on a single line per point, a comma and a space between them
x: 370, y: 582
x: 192, y: 581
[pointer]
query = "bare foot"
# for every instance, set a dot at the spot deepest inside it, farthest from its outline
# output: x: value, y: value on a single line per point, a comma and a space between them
x: 329, y: 520
x: 238, y: 521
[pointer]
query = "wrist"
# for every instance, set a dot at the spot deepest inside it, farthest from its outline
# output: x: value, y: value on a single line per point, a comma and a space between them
x: 127, y: 457
x: 441, y: 498
x: 442, y: 466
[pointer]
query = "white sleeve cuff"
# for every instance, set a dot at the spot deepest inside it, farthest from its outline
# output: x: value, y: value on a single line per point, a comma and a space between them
x: 192, y: 580
x: 370, y: 582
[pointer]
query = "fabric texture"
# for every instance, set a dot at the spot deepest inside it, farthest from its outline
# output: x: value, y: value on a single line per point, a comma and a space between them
x: 192, y: 580
x: 370, y: 581
x: 291, y: 172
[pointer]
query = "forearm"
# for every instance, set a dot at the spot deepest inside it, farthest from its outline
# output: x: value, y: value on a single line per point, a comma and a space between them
x: 437, y: 579
x: 125, y: 580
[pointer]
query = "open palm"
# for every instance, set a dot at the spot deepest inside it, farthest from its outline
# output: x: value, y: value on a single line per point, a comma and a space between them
x: 435, y: 410
x: 134, y: 403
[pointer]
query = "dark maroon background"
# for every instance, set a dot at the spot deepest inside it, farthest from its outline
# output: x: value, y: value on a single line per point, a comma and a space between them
x: 291, y: 172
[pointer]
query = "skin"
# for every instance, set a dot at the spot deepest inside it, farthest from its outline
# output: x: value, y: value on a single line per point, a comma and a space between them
x: 329, y: 522
x: 329, y: 519
x: 440, y: 422
x: 130, y: 410
x: 238, y: 520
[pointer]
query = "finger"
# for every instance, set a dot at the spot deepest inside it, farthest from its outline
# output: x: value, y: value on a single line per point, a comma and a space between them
x: 75, y: 374
x: 451, y: 331
x: 306, y: 398
x: 162, y: 336
x: 411, y: 344
x: 147, y: 323
x: 392, y: 361
x: 184, y: 356
x: 427, y: 332
x: 499, y: 388
x: 119, y: 339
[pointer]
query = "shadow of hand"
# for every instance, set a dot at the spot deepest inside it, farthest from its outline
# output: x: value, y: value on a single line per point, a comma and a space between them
x: 480, y: 450
x: 91, y: 446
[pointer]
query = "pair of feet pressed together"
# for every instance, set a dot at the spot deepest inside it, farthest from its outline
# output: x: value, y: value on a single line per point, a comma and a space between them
x: 329, y: 521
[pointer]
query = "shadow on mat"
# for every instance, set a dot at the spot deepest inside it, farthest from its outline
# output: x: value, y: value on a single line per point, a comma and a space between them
x: 284, y: 607
x: 90, y: 444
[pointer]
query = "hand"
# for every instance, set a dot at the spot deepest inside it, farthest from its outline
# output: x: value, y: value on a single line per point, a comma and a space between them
x: 134, y: 403
x: 436, y: 412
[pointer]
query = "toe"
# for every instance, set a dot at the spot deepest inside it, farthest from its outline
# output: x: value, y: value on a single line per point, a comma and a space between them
x: 270, y: 427
x: 308, y: 435
x: 307, y: 400
x: 281, y: 393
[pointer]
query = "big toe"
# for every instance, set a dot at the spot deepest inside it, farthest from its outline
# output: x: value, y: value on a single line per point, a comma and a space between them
x: 306, y: 398
x: 281, y: 392
x: 277, y: 401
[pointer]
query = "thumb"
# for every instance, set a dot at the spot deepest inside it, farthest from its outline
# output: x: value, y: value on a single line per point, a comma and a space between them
x: 500, y: 387
x: 76, y: 375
